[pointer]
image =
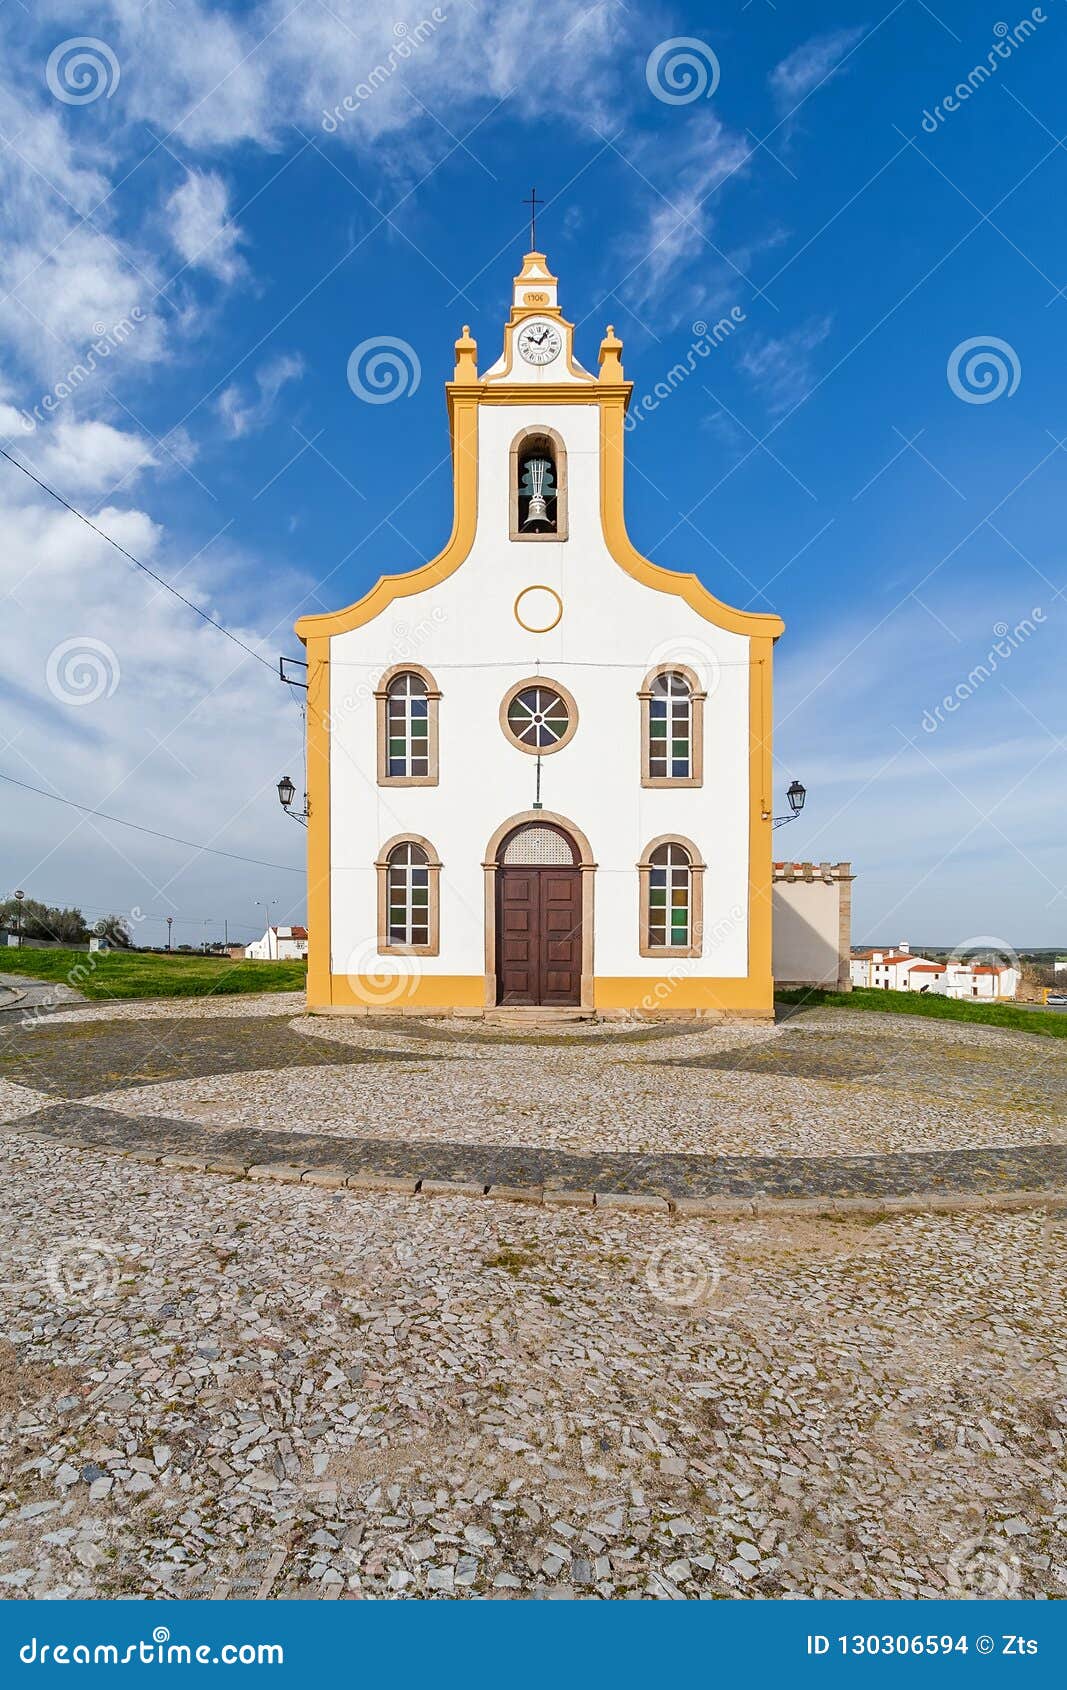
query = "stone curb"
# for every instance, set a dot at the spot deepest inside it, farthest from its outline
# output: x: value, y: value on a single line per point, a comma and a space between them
x: 670, y: 1209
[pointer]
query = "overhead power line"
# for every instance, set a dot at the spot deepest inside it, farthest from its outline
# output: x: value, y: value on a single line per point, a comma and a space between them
x: 74, y: 511
x: 192, y: 844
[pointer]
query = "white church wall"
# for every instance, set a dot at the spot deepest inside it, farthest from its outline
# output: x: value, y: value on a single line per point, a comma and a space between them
x: 613, y: 630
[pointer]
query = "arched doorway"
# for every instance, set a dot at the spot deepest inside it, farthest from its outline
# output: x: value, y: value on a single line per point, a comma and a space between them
x: 539, y: 913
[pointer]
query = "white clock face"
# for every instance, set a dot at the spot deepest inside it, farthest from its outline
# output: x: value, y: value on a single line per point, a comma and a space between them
x: 539, y: 343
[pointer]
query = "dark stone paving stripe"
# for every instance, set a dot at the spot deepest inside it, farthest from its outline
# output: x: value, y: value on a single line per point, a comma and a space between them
x: 78, y: 1059
x: 992, y: 1171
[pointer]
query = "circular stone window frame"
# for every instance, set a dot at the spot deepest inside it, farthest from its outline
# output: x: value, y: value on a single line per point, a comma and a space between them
x: 556, y: 687
x: 530, y: 628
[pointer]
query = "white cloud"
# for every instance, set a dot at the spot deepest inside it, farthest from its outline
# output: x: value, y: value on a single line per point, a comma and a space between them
x: 200, y: 226
x: 190, y: 739
x: 956, y: 824
x: 802, y: 70
x: 782, y: 366
x: 679, y: 219
x: 241, y: 414
x: 86, y: 457
x: 67, y: 281
x: 222, y: 78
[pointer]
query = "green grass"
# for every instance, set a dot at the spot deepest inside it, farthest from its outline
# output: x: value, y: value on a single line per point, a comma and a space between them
x: 1050, y: 1022
x: 133, y: 974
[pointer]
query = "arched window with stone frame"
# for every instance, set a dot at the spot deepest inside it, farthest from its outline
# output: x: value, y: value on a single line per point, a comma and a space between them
x: 408, y: 872
x: 672, y: 727
x: 530, y: 448
x: 407, y: 700
x: 671, y: 898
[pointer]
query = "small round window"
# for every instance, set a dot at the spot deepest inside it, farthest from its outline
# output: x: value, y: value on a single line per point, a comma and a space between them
x: 539, y: 716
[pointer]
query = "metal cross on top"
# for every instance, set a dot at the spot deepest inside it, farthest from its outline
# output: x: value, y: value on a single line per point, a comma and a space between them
x: 533, y: 202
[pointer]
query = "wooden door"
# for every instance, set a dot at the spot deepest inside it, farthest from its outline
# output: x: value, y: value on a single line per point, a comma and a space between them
x: 539, y: 935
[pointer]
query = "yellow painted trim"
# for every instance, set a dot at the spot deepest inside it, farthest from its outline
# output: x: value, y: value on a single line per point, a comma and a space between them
x: 545, y: 279
x: 760, y: 867
x: 538, y: 587
x: 684, y: 586
x: 464, y: 412
x: 378, y: 992
x: 318, y: 782
x: 666, y: 994
x: 549, y: 392
x: 656, y: 994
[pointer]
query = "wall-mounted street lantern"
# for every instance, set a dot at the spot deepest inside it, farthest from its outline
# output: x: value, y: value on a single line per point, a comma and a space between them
x: 286, y: 794
x: 795, y: 796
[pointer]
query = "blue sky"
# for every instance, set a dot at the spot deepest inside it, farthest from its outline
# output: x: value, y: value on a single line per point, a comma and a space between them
x: 230, y: 242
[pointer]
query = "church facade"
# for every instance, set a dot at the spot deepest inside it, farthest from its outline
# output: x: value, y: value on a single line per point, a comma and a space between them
x: 539, y: 765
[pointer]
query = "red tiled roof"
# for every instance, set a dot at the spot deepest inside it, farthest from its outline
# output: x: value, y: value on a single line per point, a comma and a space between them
x: 928, y: 968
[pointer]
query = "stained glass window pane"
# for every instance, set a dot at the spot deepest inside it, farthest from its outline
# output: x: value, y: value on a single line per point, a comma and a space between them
x: 671, y: 702
x: 408, y: 880
x: 408, y: 715
x: 538, y: 717
x: 669, y: 889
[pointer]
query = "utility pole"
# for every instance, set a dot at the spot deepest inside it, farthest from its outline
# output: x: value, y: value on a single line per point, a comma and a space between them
x: 265, y: 905
x: 19, y: 895
x: 170, y: 923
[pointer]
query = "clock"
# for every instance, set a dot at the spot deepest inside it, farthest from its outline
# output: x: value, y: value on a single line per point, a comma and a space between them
x: 539, y: 343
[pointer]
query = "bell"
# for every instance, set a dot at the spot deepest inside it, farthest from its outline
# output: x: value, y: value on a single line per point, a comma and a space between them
x: 537, y: 482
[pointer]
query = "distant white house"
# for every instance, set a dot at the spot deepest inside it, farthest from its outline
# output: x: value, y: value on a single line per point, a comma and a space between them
x: 279, y: 944
x: 902, y: 971
x: 983, y: 981
x: 885, y: 968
